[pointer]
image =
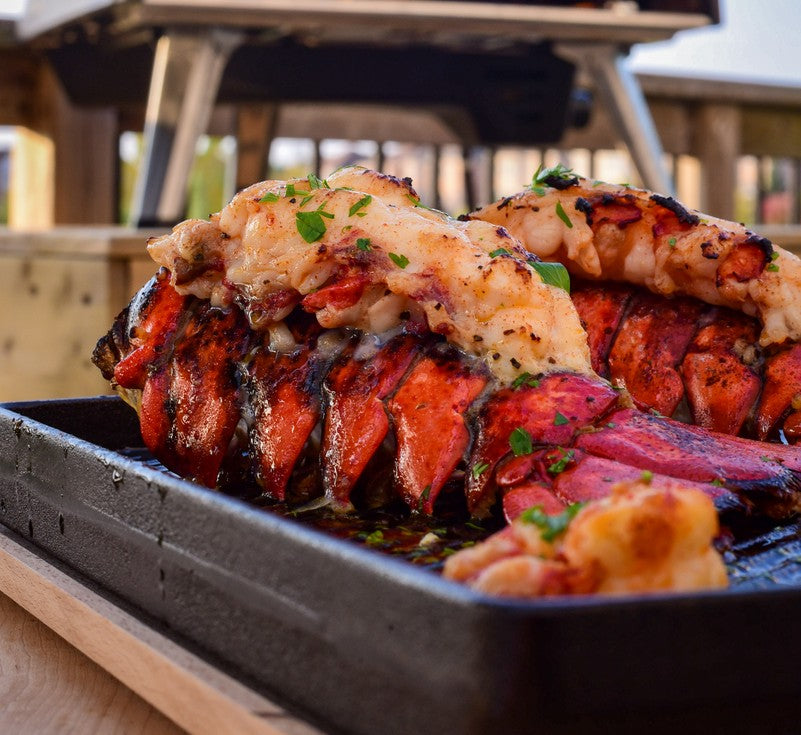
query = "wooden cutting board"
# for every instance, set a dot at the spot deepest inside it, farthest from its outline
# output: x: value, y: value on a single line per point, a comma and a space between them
x: 186, y: 689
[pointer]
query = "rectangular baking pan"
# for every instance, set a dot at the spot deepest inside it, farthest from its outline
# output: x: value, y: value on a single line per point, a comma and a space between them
x: 362, y: 643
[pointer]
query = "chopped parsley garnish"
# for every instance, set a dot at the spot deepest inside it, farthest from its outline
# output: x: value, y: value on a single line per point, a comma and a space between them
x: 560, y: 465
x: 269, y: 197
x: 479, y: 469
x: 376, y: 537
x: 520, y: 442
x: 672, y: 242
x: 499, y: 251
x: 717, y: 482
x: 421, y: 501
x: 363, y: 243
x: 560, y: 419
x: 554, y: 274
x: 525, y: 379
x: 399, y: 260
x: 290, y: 190
x: 553, y: 176
x: 306, y: 200
x: 772, y: 267
x: 551, y: 526
x: 310, y: 224
x: 560, y: 211
x: 647, y: 476
x: 315, y: 182
x: 417, y: 203
x: 361, y: 204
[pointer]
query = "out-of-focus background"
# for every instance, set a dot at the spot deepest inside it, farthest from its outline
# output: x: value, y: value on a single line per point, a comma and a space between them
x: 118, y: 119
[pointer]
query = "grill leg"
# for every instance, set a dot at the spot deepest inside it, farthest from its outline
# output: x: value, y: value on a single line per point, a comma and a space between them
x: 186, y: 77
x: 625, y: 102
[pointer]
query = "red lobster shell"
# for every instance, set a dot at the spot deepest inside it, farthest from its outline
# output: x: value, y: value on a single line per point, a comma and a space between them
x: 361, y: 419
x: 681, y: 357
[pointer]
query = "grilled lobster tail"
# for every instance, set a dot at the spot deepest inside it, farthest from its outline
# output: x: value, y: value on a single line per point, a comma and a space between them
x: 714, y: 338
x: 297, y: 411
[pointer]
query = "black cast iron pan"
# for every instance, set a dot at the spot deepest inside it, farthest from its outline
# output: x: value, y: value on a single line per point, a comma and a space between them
x: 363, y: 643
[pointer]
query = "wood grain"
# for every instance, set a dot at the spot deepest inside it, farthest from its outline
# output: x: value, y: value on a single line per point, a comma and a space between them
x: 66, y: 286
x: 189, y: 691
x: 47, y: 686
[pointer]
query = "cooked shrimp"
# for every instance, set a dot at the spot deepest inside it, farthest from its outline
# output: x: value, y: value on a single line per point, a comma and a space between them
x: 599, y: 231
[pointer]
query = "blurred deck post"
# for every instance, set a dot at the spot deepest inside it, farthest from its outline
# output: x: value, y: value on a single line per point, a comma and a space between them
x: 717, y: 144
x: 64, y: 163
x: 255, y: 126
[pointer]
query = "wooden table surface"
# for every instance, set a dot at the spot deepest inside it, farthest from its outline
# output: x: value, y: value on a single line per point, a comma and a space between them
x: 73, y: 661
x: 47, y: 686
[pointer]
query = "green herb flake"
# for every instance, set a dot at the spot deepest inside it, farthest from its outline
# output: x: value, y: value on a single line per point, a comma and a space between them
x: 290, y: 190
x: 421, y: 501
x: 499, y: 251
x: 772, y: 267
x: 560, y: 465
x: 525, y: 379
x: 479, y: 469
x: 306, y: 200
x: 520, y: 442
x: 269, y: 197
x: 611, y: 425
x: 560, y: 419
x: 717, y: 482
x: 551, y: 526
x: 310, y: 225
x: 363, y: 244
x: 399, y: 260
x: 538, y: 190
x: 417, y: 203
x: 543, y: 175
x: 672, y: 242
x: 560, y: 211
x: 554, y: 274
x: 376, y: 537
x: 774, y: 255
x: 647, y: 476
x: 361, y: 204
x: 315, y: 182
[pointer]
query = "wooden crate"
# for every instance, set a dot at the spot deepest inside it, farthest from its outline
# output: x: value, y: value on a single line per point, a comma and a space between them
x: 60, y: 289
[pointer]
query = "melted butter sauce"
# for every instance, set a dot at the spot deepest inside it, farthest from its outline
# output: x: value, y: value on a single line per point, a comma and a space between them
x: 422, y: 540
x: 758, y: 553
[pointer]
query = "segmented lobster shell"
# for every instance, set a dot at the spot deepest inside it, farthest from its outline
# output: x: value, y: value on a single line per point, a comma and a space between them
x: 296, y: 410
x: 681, y: 357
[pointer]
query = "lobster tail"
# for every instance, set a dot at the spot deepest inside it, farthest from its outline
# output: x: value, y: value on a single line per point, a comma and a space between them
x: 230, y: 407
